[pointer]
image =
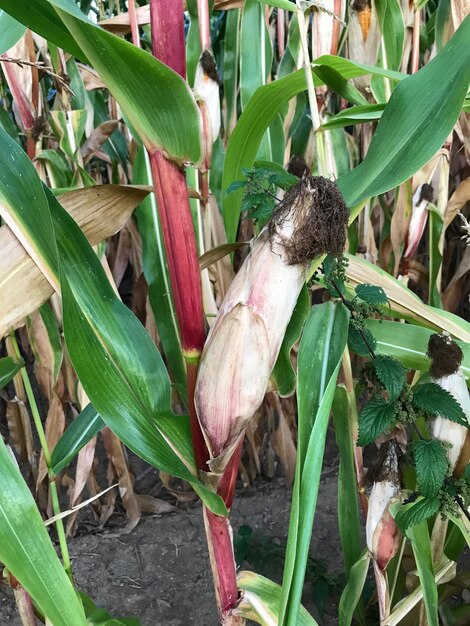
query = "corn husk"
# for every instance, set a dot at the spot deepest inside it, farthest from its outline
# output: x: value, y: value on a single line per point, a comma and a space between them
x: 244, y: 343
x: 382, y: 533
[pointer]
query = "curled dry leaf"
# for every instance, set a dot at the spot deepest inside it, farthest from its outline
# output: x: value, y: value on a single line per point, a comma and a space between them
x: 457, y: 201
x: 82, y: 472
x: 98, y: 137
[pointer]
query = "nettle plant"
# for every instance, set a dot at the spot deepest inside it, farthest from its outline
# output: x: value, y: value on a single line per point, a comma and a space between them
x: 149, y: 113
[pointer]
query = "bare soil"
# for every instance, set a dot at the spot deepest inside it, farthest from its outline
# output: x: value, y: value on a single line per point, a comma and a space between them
x: 160, y: 571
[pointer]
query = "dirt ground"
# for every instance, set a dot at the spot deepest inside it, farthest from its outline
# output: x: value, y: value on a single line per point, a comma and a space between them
x: 160, y: 571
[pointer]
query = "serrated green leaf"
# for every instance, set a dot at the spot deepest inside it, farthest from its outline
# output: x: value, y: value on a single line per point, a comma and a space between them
x: 8, y: 368
x: 238, y: 184
x: 356, y: 342
x: 434, y: 400
x: 411, y: 514
x: 375, y: 418
x: 371, y: 294
x: 431, y: 466
x: 391, y: 374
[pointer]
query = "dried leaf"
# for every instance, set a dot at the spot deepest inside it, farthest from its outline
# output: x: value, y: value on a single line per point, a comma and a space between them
x: 282, y: 441
x: 457, y: 200
x: 21, y: 435
x: 116, y: 457
x: 120, y: 24
x: 100, y: 211
x: 452, y: 296
x: 98, y: 137
x: 55, y: 424
x: 82, y: 474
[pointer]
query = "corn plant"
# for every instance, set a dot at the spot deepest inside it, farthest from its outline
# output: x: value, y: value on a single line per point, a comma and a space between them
x: 237, y: 160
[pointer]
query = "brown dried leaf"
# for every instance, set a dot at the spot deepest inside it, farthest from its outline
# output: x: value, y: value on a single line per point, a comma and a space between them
x: 155, y: 506
x: 90, y: 77
x: 457, y: 200
x: 400, y: 221
x: 55, y: 424
x: 44, y: 357
x: 118, y: 460
x: 21, y: 434
x: 98, y: 137
x: 82, y: 474
x: 100, y: 211
x: 120, y: 24
x: 452, y: 296
x: 214, y: 255
x: 282, y: 441
x: 122, y: 256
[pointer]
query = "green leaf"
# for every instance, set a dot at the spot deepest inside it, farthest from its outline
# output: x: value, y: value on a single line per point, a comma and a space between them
x: 353, y: 590
x: 18, y: 194
x: 262, y: 108
x: 421, y: 544
x: 101, y: 617
x: 320, y: 351
x: 8, y: 368
x: 156, y: 272
x: 354, y: 115
x: 28, y: 553
x: 393, y: 31
x: 134, y: 77
x: 283, y: 373
x: 83, y: 428
x: 371, y: 294
x: 356, y: 342
x: 287, y: 5
x: 11, y: 31
x: 434, y: 400
x: 339, y: 84
x: 255, y: 61
x: 407, y: 135
x: 42, y: 19
x: 345, y: 421
x: 235, y: 186
x: 411, y: 514
x: 408, y: 343
x: 431, y: 466
x: 391, y: 374
x: 261, y: 600
x: 374, y: 419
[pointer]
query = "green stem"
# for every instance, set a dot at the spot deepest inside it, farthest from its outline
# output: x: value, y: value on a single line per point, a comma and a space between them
x: 47, y: 458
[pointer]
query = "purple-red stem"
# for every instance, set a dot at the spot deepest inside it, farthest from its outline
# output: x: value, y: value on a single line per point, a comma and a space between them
x: 134, y: 23
x: 204, y: 24
x: 168, y: 45
x: 281, y: 30
x: 415, y: 42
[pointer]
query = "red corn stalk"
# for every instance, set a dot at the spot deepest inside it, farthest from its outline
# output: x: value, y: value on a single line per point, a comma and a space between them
x: 180, y: 245
x: 134, y: 23
x: 175, y: 214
